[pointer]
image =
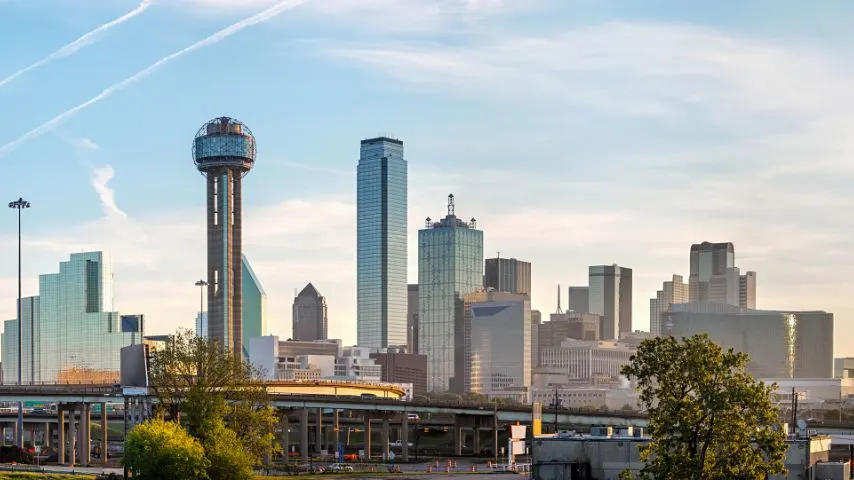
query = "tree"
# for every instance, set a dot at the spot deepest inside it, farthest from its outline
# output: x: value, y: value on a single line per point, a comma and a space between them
x: 708, y: 418
x: 218, y: 396
x: 164, y: 450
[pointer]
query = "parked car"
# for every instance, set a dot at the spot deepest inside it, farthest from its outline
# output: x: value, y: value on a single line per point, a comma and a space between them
x: 339, y: 468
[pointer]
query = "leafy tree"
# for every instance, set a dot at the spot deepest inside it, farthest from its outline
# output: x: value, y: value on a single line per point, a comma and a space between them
x: 164, y: 450
x: 219, y: 398
x: 708, y: 418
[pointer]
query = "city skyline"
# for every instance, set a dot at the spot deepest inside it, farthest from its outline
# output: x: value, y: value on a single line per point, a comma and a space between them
x: 300, y: 216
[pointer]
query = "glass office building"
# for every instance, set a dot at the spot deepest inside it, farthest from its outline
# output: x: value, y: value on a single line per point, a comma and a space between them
x: 381, y: 199
x: 450, y: 265
x: 254, y: 307
x: 71, y: 333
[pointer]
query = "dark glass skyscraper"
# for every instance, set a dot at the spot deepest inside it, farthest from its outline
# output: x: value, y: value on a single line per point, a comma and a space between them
x: 508, y: 275
x: 309, y: 315
x: 381, y: 202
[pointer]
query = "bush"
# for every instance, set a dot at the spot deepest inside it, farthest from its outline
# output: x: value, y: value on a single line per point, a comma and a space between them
x: 229, y: 459
x: 164, y: 450
x: 9, y: 454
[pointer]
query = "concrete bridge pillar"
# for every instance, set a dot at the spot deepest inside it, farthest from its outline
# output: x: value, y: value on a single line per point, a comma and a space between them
x: 104, y: 429
x: 46, y: 440
x: 86, y: 430
x: 318, y: 434
x: 367, y: 441
x: 404, y: 436
x: 286, y: 432
x: 303, y: 426
x: 72, y: 435
x: 336, y: 430
x: 385, y: 437
x: 61, y: 421
x: 495, y: 436
x: 476, y: 439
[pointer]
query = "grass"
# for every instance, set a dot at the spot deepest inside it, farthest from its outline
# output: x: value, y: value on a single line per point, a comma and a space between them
x: 42, y: 476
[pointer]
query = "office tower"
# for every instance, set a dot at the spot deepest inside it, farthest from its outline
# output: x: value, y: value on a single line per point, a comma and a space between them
x: 714, y: 277
x: 202, y: 324
x: 536, y: 320
x: 463, y: 336
x: 450, y: 265
x: 501, y: 348
x: 843, y: 367
x: 672, y: 292
x: 402, y: 367
x: 507, y: 275
x: 578, y: 300
x: 747, y: 290
x: 610, y: 296
x: 224, y: 152
x: 412, y: 318
x: 381, y: 199
x: 254, y: 307
x: 310, y: 320
x: 781, y: 344
x: 71, y: 333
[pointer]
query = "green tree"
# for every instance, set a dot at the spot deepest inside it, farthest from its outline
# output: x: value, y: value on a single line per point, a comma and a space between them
x: 158, y: 450
x: 219, y: 398
x: 708, y: 418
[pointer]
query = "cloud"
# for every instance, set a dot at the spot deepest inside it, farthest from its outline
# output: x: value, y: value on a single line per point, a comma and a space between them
x: 84, y: 143
x: 101, y: 177
x: 83, y: 41
x: 217, y: 37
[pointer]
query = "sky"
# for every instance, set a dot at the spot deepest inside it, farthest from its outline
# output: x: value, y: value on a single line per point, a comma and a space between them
x: 577, y: 132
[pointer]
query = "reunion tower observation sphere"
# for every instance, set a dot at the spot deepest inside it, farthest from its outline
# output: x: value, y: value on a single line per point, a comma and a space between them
x: 224, y: 152
x: 224, y: 142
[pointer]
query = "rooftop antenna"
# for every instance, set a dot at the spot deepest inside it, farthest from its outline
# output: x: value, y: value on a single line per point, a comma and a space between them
x: 451, y: 205
x: 559, y: 310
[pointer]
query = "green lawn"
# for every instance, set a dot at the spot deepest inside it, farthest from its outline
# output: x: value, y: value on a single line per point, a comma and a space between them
x: 42, y: 476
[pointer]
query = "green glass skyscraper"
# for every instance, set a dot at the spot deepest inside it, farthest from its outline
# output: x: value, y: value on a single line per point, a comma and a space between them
x: 450, y: 265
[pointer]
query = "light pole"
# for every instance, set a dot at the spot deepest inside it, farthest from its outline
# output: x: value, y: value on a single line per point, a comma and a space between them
x: 201, y: 284
x: 19, y: 205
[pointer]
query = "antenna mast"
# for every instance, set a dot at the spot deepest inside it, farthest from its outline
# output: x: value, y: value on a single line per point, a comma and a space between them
x: 559, y: 310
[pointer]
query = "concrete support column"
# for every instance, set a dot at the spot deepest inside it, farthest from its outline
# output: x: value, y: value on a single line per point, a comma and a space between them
x: 303, y: 433
x: 476, y: 441
x: 86, y: 430
x: 318, y: 434
x: 367, y: 441
x: 495, y: 437
x: 47, y: 441
x: 385, y: 437
x: 404, y: 437
x: 72, y: 435
x: 286, y: 433
x: 459, y: 435
x: 105, y: 427
x: 336, y: 428
x: 61, y: 421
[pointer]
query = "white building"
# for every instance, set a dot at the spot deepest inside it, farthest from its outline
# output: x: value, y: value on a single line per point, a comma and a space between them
x: 586, y: 360
x: 593, y: 397
x: 356, y: 362
x: 812, y: 390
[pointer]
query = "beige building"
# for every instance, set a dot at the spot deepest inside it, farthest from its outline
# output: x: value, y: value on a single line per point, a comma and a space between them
x: 586, y: 360
x: 672, y: 292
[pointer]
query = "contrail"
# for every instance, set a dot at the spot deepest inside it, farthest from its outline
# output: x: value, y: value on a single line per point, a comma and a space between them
x: 211, y: 40
x: 86, y: 39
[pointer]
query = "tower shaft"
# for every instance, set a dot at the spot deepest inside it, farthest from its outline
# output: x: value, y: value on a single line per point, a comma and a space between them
x: 225, y: 278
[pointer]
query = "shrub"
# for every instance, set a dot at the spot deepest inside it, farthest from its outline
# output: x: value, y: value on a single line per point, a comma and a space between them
x: 163, y: 451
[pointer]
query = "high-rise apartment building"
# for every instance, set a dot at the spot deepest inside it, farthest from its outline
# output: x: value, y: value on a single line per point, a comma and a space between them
x: 672, y: 292
x: 610, y: 296
x: 450, y: 265
x: 507, y: 275
x: 381, y: 203
x: 412, y: 318
x: 224, y: 152
x: 714, y: 277
x: 747, y: 290
x: 254, y: 300
x: 578, y: 300
x: 71, y: 333
x: 501, y: 348
x: 310, y: 320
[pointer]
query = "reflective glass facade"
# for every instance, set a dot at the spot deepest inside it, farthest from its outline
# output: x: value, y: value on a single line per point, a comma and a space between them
x: 74, y: 336
x: 381, y: 197
x: 254, y: 307
x: 500, y: 347
x: 450, y: 265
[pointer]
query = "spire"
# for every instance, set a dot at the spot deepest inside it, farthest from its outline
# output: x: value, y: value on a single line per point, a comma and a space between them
x: 559, y: 310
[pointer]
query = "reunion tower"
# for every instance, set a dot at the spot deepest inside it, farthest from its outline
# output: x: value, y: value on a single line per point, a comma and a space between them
x: 224, y: 152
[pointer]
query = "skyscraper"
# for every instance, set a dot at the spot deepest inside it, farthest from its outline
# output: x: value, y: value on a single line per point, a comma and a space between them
x: 254, y: 306
x: 309, y: 315
x: 71, y: 333
x: 224, y: 151
x: 611, y: 297
x: 412, y: 318
x: 674, y: 291
x: 202, y: 324
x: 578, y: 300
x: 714, y: 277
x: 450, y: 265
x: 508, y: 275
x: 747, y: 290
x: 501, y: 348
x: 381, y: 199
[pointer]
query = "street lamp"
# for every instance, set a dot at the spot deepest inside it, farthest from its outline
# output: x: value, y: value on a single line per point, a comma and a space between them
x: 201, y: 284
x: 19, y: 205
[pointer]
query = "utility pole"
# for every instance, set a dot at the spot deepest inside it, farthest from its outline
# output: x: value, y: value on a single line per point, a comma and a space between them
x: 19, y: 205
x: 556, y: 404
